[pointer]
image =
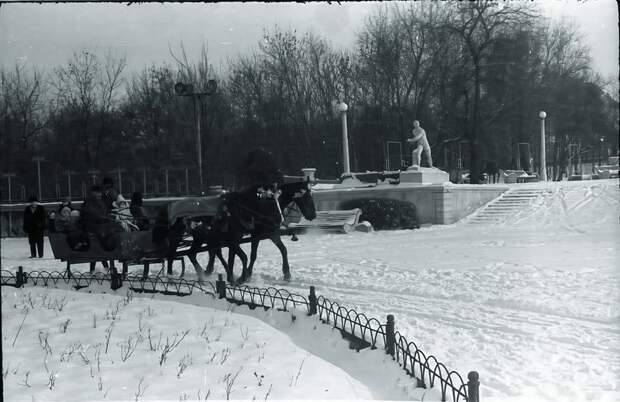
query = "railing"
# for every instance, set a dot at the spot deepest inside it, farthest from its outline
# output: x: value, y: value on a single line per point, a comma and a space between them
x: 357, y: 328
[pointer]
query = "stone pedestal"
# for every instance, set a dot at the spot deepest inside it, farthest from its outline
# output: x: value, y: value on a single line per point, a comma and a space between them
x: 309, y: 174
x: 424, y: 175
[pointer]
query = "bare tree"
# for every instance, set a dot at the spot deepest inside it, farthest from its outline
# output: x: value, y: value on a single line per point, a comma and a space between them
x: 22, y: 107
x: 87, y: 87
x: 478, y: 24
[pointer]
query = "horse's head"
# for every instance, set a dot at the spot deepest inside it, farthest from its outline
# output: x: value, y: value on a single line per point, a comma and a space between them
x: 299, y: 193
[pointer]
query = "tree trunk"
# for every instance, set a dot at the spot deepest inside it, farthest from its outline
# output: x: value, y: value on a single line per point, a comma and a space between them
x: 474, y: 165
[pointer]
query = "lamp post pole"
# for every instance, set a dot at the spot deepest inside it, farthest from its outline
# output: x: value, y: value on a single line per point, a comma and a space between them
x: 166, y: 180
x: 9, y: 176
x: 186, y: 181
x: 119, y: 178
x: 144, y: 181
x: 182, y: 89
x: 342, y: 108
x: 197, y: 112
x: 69, y: 173
x: 600, y: 150
x: 38, y: 160
x: 543, y: 154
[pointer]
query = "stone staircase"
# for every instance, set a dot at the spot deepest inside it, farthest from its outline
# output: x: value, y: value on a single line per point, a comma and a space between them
x: 512, y: 203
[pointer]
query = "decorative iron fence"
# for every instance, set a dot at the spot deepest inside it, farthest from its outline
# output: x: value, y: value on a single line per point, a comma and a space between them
x: 357, y: 328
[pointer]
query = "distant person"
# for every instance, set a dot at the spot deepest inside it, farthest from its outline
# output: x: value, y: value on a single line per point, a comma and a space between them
x: 492, y: 171
x: 419, y: 137
x: 34, y: 226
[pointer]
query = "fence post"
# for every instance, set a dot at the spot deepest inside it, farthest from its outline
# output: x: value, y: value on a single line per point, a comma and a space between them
x: 312, y: 300
x: 20, y: 277
x: 220, y: 286
x: 116, y: 279
x: 389, y: 335
x: 473, y: 387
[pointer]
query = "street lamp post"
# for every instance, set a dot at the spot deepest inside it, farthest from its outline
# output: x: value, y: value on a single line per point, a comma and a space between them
x: 69, y: 173
x: 600, y: 150
x: 543, y: 154
x: 119, y: 179
x: 144, y: 181
x: 166, y: 180
x: 9, y: 176
x: 182, y: 89
x: 38, y: 160
x: 342, y: 108
x: 186, y: 181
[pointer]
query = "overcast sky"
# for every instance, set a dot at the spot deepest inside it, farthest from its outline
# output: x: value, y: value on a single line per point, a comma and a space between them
x: 46, y: 34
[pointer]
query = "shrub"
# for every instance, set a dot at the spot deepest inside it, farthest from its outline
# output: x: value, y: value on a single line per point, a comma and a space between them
x: 385, y: 213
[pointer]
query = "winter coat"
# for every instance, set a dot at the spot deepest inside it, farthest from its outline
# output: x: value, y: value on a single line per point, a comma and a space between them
x: 121, y: 214
x: 109, y: 196
x: 34, y: 221
x: 63, y: 221
x: 94, y: 212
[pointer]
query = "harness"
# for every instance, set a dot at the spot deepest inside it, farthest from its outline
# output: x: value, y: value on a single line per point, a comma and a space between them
x: 265, y: 196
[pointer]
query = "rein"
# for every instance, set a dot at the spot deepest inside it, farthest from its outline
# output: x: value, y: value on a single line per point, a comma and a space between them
x: 263, y: 216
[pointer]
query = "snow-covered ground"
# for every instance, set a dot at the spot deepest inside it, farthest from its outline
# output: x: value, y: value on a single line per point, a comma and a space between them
x: 533, y: 305
x: 63, y: 345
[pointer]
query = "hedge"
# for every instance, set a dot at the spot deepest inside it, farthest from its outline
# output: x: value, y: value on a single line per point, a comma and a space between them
x: 385, y: 213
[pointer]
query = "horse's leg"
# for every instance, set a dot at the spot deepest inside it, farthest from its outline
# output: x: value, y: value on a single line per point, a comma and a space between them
x: 169, y: 266
x: 211, y: 263
x: 218, y: 253
x: 254, y: 243
x: 286, y: 271
x: 244, y: 261
x: 230, y: 277
x: 193, y: 251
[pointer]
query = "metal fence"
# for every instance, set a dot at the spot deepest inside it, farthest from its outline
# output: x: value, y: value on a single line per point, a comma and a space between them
x: 360, y: 330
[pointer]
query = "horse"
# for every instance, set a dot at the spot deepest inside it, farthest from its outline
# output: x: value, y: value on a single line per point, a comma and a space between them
x: 267, y: 214
x: 241, y: 213
x: 215, y: 231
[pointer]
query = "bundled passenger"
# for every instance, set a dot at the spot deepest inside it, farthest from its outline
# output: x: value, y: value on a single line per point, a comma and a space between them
x: 63, y: 222
x: 66, y: 202
x: 122, y: 215
x: 51, y: 222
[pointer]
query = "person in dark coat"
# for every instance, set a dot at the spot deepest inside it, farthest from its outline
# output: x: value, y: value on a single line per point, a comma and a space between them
x: 109, y: 193
x: 94, y: 211
x: 34, y: 226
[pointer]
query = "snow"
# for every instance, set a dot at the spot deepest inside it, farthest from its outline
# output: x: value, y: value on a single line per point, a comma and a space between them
x: 533, y: 305
x: 221, y: 353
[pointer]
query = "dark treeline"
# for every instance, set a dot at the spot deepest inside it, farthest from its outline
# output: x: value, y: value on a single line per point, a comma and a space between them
x: 476, y: 74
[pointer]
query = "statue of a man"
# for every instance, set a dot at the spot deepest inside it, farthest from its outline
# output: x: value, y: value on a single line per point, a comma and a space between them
x: 419, y: 137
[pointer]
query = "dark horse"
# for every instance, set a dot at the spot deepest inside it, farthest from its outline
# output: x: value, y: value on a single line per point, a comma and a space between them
x: 250, y: 212
x: 268, y: 216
